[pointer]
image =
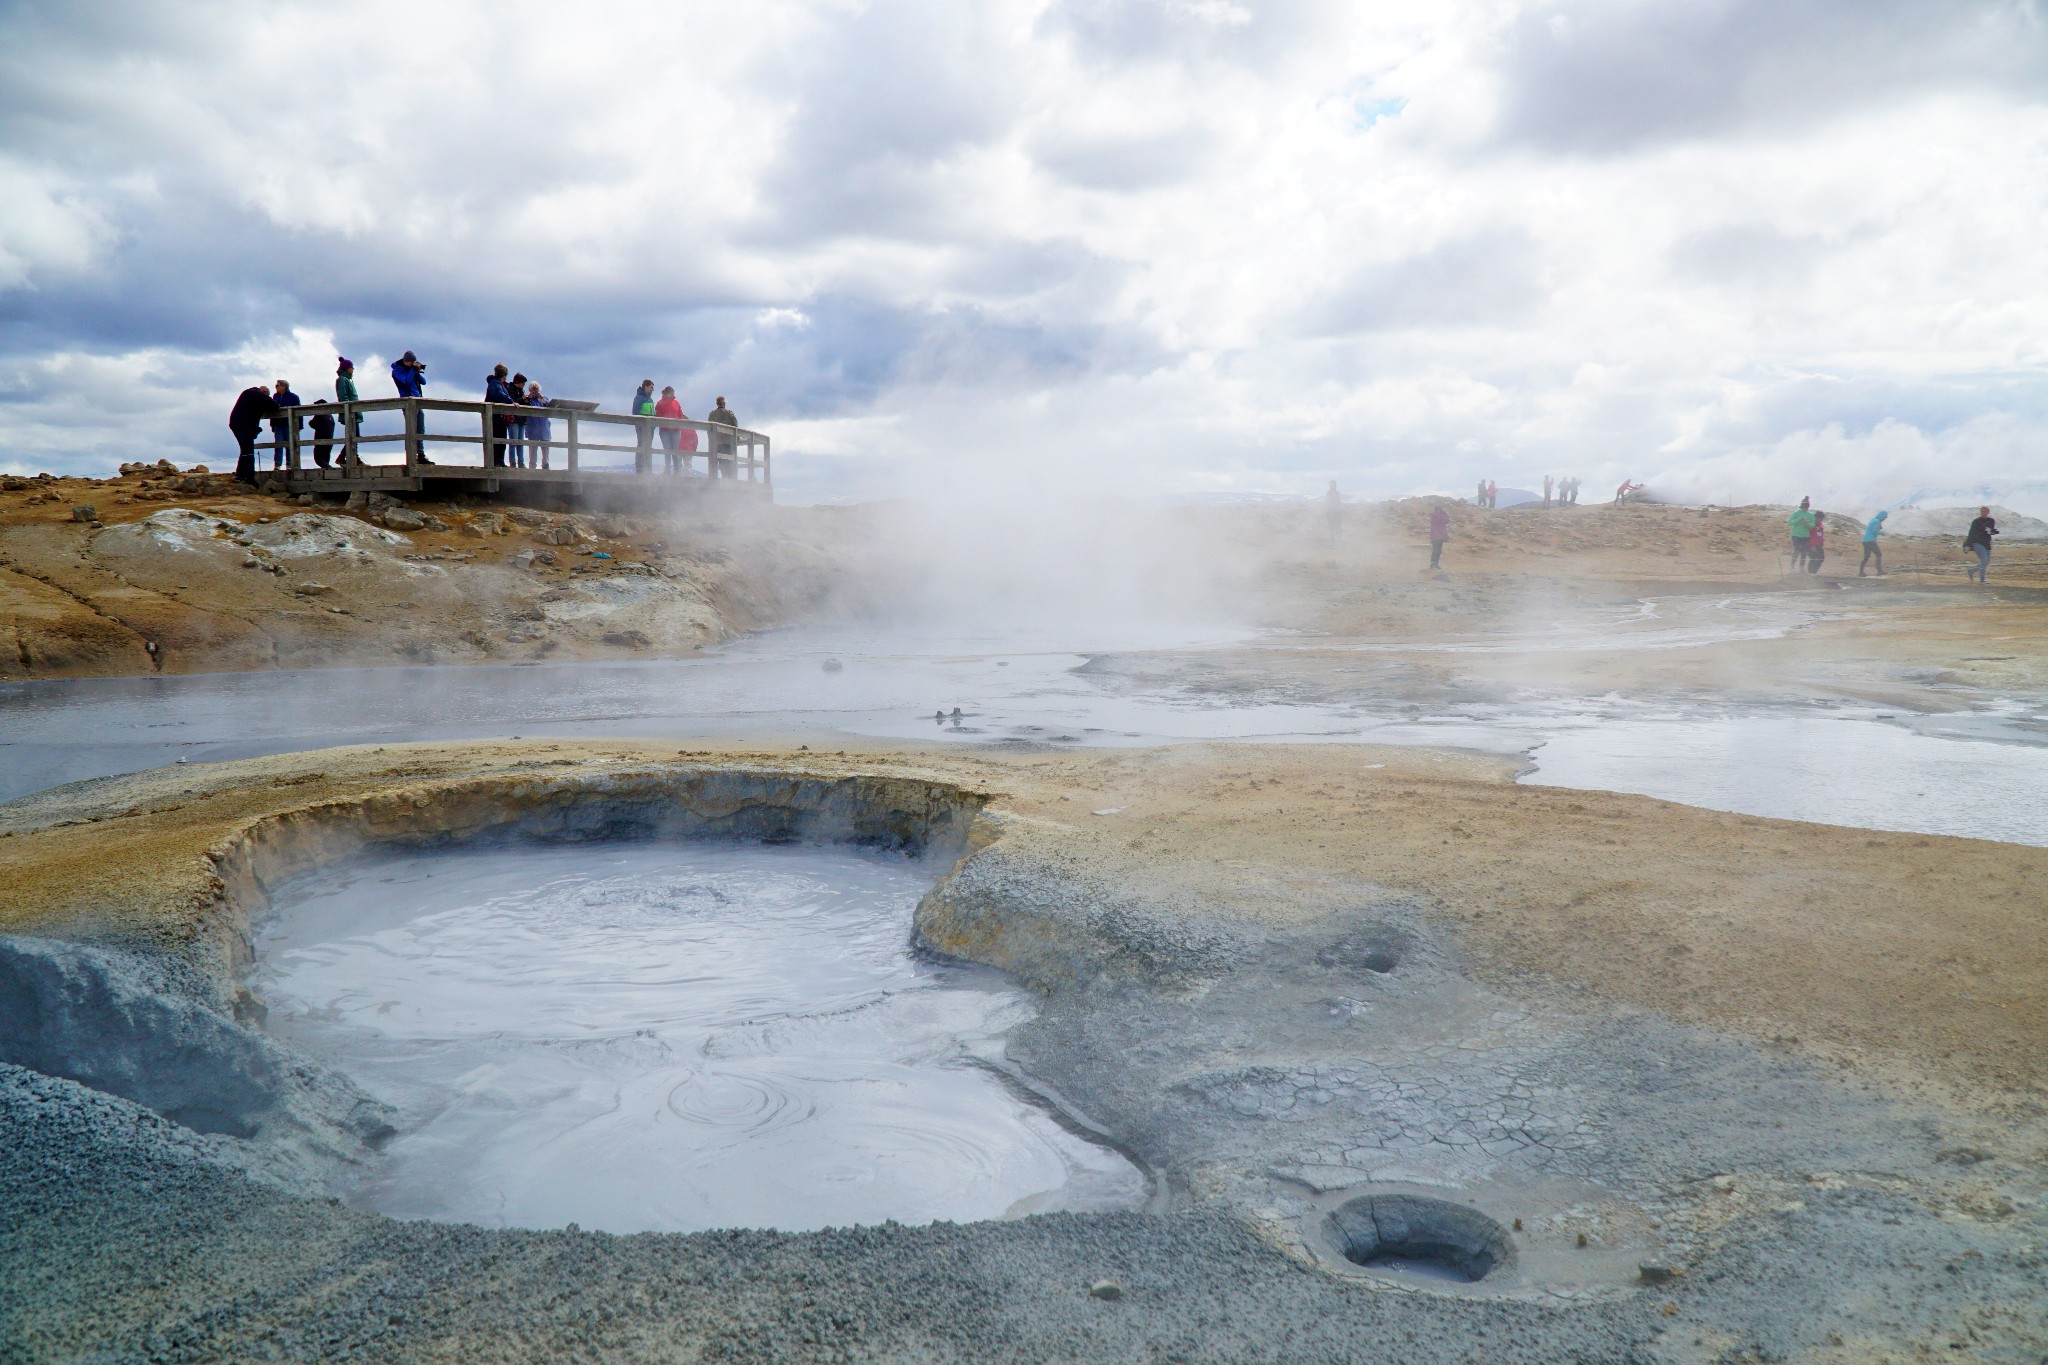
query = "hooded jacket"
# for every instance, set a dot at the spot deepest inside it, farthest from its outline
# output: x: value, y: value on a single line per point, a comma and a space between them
x: 1873, y: 528
x: 410, y: 379
x: 496, y: 390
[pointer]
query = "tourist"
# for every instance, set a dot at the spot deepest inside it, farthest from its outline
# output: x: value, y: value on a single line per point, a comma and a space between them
x: 411, y: 378
x: 1439, y: 532
x: 1572, y: 491
x: 1333, y: 509
x: 1628, y: 486
x: 724, y: 452
x: 540, y: 428
x: 345, y: 392
x: 1492, y: 494
x: 497, y: 390
x: 323, y: 432
x: 1981, y: 531
x: 285, y: 399
x: 1479, y: 501
x: 1801, y: 525
x: 246, y: 422
x: 515, y: 425
x: 1816, y: 544
x: 1872, y: 529
x: 671, y: 437
x: 643, y: 406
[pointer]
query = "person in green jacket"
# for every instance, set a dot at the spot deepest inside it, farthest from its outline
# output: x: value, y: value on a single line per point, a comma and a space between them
x: 643, y: 449
x: 1801, y: 523
x: 345, y: 392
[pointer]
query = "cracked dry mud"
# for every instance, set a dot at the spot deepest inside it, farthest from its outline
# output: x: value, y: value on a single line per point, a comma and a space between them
x: 1275, y: 1015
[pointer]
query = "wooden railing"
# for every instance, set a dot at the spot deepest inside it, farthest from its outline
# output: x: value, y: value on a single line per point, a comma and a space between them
x: 727, y: 452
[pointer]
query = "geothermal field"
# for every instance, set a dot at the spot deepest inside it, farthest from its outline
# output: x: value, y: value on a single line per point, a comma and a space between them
x: 455, y: 931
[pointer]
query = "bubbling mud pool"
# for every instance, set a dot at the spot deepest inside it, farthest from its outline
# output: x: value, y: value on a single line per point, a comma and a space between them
x: 671, y: 1037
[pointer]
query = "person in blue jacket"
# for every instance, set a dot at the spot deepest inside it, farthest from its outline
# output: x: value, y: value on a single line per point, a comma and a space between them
x: 497, y: 390
x: 411, y: 378
x: 1872, y: 529
x: 285, y: 399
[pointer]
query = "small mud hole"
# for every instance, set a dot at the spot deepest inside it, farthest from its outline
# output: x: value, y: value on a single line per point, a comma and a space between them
x: 1411, y: 1238
x: 1378, y: 951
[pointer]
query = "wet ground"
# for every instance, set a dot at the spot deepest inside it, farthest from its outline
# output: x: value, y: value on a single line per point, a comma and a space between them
x: 1978, y: 767
x: 666, y: 1037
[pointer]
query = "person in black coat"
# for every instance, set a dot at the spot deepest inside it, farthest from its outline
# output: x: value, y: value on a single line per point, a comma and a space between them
x: 285, y: 399
x: 323, y: 432
x: 246, y: 422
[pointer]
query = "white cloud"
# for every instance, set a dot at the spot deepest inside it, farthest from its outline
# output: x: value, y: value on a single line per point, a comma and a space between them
x: 1167, y: 244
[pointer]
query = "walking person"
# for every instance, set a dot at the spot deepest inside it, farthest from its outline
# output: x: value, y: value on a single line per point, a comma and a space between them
x: 323, y: 432
x: 1872, y: 529
x: 671, y: 437
x: 497, y: 391
x: 724, y: 453
x: 1800, y: 523
x: 411, y: 378
x: 643, y: 406
x: 1479, y: 501
x: 246, y: 422
x: 1979, y: 542
x: 1492, y: 494
x: 515, y: 424
x: 1817, y: 543
x: 540, y: 428
x: 345, y: 392
x: 1439, y: 532
x: 285, y: 399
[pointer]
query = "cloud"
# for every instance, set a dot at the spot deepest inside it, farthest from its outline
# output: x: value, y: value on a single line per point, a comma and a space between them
x: 1163, y: 245
x: 1612, y: 75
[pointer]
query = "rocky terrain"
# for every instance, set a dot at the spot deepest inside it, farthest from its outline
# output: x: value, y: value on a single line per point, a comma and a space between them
x: 169, y: 572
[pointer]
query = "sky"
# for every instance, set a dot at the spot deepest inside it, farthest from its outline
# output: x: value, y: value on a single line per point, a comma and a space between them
x: 1744, y: 250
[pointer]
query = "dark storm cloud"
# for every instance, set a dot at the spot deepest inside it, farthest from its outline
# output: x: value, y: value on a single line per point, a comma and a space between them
x: 1618, y: 74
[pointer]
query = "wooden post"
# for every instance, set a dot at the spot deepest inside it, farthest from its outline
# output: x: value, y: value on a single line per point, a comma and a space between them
x: 489, y: 412
x: 571, y: 415
x: 767, y: 451
x: 291, y: 453
x: 409, y: 414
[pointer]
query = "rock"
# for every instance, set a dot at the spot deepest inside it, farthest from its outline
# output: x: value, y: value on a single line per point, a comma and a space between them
x: 356, y: 502
x: 1108, y: 1290
x: 250, y: 563
x: 524, y: 559
x: 1657, y: 1272
x: 436, y: 524
x: 545, y: 557
x: 404, y: 519
x: 135, y: 467
x: 628, y: 639
x: 13, y: 485
x: 313, y: 589
x: 166, y: 467
x: 194, y: 483
x: 308, y: 500
x: 84, y: 511
x: 613, y: 528
x: 377, y: 502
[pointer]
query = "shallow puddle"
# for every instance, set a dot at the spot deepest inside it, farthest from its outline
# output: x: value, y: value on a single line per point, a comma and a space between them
x: 666, y: 1037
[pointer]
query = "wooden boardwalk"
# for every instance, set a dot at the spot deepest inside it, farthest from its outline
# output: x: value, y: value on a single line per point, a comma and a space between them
x: 432, y: 446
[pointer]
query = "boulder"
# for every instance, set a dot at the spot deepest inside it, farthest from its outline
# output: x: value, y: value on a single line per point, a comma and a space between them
x: 404, y: 519
x: 84, y: 511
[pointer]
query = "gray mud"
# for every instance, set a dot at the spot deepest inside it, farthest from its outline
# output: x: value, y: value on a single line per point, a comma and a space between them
x: 1680, y: 1196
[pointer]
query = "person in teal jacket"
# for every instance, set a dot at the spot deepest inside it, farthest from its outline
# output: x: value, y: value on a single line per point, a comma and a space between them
x: 1872, y: 529
x: 643, y: 406
x: 345, y: 392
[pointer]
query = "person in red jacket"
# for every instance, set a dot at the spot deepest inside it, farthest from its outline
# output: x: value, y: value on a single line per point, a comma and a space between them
x: 671, y: 438
x: 1439, y: 532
